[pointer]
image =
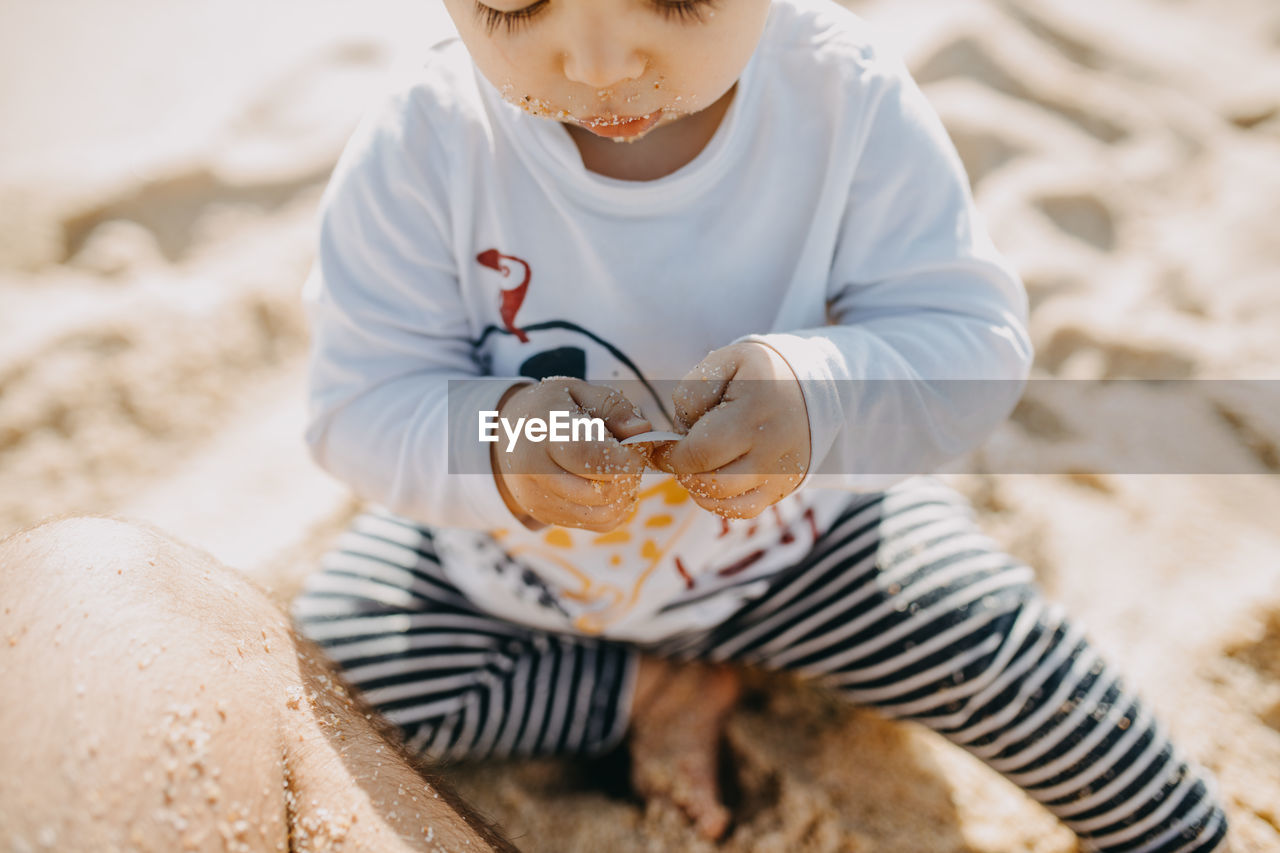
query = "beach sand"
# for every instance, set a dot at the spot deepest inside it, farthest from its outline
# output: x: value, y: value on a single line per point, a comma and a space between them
x: 159, y: 175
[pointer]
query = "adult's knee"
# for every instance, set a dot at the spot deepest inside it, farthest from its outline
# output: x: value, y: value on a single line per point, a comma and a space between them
x: 81, y: 550
x: 94, y: 563
x: 105, y: 574
x: 118, y: 616
x: 141, y: 689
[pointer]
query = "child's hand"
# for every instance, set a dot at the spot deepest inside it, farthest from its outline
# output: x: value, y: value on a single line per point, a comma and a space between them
x: 748, y: 431
x: 588, y: 484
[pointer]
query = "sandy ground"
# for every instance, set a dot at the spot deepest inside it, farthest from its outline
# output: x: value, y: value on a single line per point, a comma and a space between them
x: 159, y: 170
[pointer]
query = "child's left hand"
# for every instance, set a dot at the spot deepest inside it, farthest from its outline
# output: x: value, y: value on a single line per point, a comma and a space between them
x: 747, y: 444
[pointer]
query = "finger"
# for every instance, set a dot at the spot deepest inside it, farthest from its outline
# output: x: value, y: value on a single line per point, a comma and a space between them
x: 599, y: 460
x: 571, y: 488
x: 597, y: 518
x: 738, y: 477
x: 658, y: 456
x: 747, y: 505
x: 549, y: 476
x: 621, y: 417
x: 719, y: 437
x: 563, y: 499
x: 702, y: 388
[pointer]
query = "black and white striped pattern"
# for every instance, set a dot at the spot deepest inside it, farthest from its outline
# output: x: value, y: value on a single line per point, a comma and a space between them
x: 902, y: 605
x: 457, y: 681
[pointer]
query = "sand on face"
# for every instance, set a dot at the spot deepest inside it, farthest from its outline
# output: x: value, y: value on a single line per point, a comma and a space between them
x: 158, y: 177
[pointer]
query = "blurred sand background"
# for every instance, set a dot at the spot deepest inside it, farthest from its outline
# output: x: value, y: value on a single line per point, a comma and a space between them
x: 160, y: 166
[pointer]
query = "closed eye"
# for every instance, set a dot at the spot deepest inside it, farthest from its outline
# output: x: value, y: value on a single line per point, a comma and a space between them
x: 492, y: 18
x: 684, y: 10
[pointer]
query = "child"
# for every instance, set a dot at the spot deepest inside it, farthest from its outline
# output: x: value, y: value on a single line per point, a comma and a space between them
x: 579, y: 194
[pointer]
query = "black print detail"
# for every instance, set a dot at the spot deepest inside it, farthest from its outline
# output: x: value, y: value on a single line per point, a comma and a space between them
x: 563, y: 361
x: 573, y: 327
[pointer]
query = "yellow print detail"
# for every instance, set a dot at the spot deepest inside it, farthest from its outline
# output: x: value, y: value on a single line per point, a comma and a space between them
x: 642, y: 541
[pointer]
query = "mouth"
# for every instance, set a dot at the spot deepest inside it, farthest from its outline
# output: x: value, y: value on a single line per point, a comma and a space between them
x: 620, y: 127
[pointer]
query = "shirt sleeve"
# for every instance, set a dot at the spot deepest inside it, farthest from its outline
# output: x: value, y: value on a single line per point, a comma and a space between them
x: 389, y: 330
x: 918, y: 298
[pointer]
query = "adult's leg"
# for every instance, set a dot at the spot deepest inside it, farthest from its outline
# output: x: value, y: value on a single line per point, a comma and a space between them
x: 905, y: 606
x: 155, y: 700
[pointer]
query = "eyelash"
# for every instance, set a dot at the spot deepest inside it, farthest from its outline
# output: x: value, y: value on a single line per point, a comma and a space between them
x: 685, y: 10
x: 513, y: 20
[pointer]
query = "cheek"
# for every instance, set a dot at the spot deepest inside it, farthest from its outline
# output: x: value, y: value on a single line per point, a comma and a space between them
x: 509, y: 69
x: 506, y: 55
x: 505, y: 62
x: 691, y: 85
x: 703, y: 64
x: 497, y: 64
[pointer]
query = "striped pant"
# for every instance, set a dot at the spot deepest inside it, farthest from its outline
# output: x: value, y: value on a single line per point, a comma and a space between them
x: 902, y: 605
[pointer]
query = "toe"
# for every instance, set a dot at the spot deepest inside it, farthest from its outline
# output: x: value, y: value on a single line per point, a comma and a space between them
x: 712, y: 823
x: 701, y: 803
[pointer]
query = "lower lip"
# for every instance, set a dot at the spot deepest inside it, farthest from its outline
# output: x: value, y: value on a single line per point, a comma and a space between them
x: 623, y: 129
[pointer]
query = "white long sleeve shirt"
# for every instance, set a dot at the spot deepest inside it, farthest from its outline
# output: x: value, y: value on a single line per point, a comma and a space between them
x: 829, y: 217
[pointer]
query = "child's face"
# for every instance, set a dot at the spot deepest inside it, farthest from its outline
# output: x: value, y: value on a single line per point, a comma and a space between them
x: 617, y: 68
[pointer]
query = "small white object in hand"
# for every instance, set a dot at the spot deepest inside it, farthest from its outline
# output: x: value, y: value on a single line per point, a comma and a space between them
x: 652, y: 435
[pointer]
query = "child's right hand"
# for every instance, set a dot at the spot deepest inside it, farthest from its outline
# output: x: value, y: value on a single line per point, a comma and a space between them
x: 589, y: 484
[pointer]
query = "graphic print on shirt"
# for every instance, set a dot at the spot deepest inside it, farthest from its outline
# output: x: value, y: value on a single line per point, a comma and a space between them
x: 599, y: 578
x: 561, y: 347
x: 510, y: 300
x: 593, y: 580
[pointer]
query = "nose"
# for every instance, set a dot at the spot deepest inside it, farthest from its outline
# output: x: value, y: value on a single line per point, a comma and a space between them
x: 599, y: 53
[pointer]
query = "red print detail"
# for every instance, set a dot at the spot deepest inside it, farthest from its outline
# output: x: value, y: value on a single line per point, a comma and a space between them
x: 684, y: 573
x: 813, y: 523
x: 787, y: 536
x: 512, y: 299
x: 724, y: 527
x: 734, y: 568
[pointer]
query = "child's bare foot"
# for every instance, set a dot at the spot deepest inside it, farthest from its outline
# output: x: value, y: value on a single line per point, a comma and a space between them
x: 676, y: 721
